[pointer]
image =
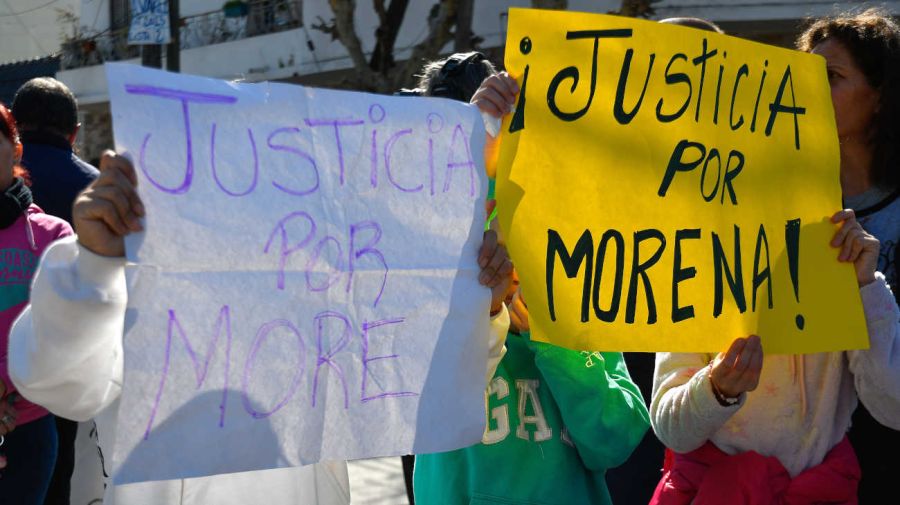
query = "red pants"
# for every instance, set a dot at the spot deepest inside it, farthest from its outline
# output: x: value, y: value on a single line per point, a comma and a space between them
x: 708, y: 476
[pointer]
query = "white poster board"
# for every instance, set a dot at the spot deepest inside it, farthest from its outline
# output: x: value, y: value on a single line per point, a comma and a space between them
x: 306, y: 286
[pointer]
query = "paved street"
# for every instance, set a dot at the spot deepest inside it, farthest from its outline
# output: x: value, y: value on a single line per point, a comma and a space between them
x: 377, y: 481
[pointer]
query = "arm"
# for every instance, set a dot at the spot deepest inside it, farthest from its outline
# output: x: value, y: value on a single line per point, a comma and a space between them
x: 497, y: 343
x: 684, y: 411
x: 602, y: 409
x: 66, y: 348
x: 496, y: 273
x: 693, y: 396
x: 876, y: 371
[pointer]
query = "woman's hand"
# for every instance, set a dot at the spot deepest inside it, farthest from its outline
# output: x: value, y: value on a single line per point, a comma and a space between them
x: 856, y: 245
x: 737, y: 370
x: 109, y: 208
x: 497, y: 94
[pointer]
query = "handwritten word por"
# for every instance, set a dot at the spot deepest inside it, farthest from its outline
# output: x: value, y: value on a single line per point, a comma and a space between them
x: 677, y: 163
x: 355, y: 251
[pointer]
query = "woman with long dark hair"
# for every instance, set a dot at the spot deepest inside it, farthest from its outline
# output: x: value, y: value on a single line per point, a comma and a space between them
x: 862, y: 55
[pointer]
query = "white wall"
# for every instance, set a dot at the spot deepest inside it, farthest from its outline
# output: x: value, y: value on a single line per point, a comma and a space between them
x: 95, y: 15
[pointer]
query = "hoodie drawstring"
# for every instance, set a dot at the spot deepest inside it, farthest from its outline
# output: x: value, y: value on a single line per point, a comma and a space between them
x: 30, y: 232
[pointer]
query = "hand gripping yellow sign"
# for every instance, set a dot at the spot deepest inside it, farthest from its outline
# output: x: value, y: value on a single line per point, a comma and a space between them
x: 663, y: 188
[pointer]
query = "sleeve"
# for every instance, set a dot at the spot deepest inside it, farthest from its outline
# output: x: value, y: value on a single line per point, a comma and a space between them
x: 65, y: 349
x: 602, y: 409
x: 497, y: 343
x: 876, y: 371
x: 65, y: 230
x: 684, y: 412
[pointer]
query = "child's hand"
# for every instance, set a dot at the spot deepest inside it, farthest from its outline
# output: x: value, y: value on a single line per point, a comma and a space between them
x: 518, y: 313
x: 497, y: 94
x: 496, y: 269
x: 737, y: 370
x: 856, y: 245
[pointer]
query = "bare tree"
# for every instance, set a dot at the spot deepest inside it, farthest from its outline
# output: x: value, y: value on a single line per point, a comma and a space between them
x: 448, y: 20
x: 380, y: 72
x: 637, y: 8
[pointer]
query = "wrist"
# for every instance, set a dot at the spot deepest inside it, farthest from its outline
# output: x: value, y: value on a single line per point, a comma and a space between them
x: 721, y: 397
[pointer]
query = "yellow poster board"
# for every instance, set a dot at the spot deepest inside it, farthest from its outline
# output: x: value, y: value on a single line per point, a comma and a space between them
x: 663, y: 188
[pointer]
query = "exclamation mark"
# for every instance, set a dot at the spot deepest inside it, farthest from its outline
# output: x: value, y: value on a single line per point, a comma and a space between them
x: 792, y: 242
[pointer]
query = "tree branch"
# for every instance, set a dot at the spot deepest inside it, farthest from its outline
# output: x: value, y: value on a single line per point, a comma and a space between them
x: 440, y: 21
x: 390, y: 21
x: 346, y: 31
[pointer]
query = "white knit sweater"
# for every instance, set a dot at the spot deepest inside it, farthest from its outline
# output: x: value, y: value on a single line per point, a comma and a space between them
x: 802, y: 406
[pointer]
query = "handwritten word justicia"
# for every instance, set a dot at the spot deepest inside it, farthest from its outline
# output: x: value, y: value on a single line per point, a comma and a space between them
x: 438, y: 176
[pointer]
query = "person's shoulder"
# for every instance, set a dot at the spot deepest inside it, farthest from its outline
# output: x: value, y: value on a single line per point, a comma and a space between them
x: 55, y: 226
x: 86, y: 168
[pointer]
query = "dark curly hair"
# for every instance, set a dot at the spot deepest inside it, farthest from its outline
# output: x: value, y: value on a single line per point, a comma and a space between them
x: 873, y: 40
x: 457, y: 76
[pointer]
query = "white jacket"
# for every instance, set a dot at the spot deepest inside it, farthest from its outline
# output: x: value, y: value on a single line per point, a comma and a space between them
x: 802, y: 406
x: 66, y: 355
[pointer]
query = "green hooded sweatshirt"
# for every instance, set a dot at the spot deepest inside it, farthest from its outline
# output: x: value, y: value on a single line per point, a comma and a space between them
x: 556, y: 420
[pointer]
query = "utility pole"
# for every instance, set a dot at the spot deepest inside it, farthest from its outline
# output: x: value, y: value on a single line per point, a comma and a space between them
x: 151, y: 55
x: 173, y: 50
x: 464, y: 12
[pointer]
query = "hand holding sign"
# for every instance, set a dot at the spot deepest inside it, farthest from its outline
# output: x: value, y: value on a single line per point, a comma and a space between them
x: 109, y: 208
x: 496, y: 95
x: 737, y: 370
x: 857, y: 246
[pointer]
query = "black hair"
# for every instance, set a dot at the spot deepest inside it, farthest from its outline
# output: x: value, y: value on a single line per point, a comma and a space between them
x: 457, y: 76
x: 47, y: 105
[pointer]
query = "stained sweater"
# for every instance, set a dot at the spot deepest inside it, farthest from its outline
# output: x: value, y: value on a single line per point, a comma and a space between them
x: 802, y: 406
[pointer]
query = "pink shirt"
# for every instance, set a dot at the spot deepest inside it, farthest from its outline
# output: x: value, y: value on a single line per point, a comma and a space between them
x: 21, y: 246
